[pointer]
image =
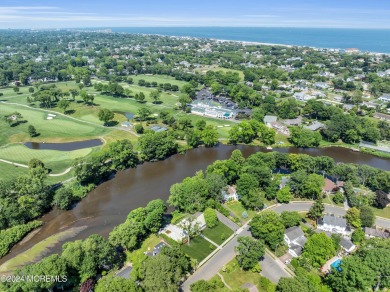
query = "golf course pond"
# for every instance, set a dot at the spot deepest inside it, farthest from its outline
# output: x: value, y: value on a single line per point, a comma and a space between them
x: 109, y: 204
x: 69, y: 146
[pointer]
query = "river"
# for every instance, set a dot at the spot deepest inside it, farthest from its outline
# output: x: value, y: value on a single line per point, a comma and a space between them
x: 108, y: 205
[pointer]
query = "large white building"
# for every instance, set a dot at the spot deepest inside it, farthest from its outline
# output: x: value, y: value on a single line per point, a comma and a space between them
x: 212, y: 111
x: 334, y: 224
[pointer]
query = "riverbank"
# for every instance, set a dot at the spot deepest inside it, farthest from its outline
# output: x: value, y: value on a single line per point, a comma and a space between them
x: 133, y: 188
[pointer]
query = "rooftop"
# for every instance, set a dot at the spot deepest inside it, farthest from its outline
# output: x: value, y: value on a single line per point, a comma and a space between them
x: 334, y: 221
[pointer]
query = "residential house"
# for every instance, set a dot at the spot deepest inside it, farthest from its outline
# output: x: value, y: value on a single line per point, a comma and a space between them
x: 347, y: 245
x: 375, y: 232
x: 321, y: 85
x: 177, y: 233
x: 302, y: 96
x: 334, y: 224
x: 315, y: 126
x: 230, y: 194
x: 295, y: 239
x: 385, y: 98
x: 331, y: 186
x: 293, y: 122
x: 269, y: 119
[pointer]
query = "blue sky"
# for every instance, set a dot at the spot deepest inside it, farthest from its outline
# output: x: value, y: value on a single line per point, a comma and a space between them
x: 122, y: 13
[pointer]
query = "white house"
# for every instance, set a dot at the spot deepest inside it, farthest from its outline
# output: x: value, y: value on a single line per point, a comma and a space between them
x: 334, y: 224
x: 269, y: 119
x: 385, y: 98
x: 295, y: 239
x: 230, y: 194
x: 177, y: 233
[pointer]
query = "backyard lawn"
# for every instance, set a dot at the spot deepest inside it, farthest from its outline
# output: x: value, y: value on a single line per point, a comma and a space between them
x: 218, y: 234
x: 198, y: 249
x: 235, y: 277
x: 237, y: 208
x: 382, y: 212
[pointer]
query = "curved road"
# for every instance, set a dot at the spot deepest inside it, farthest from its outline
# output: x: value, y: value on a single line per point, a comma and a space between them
x: 272, y: 269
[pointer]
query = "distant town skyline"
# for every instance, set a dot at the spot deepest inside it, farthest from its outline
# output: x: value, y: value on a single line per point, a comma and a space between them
x: 175, y: 13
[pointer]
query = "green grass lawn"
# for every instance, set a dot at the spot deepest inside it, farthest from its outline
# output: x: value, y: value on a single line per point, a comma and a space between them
x: 198, y: 248
x: 60, y: 129
x: 215, y: 233
x: 8, y: 172
x: 57, y: 161
x: 235, y: 277
x: 204, y: 70
x: 382, y: 212
x: 237, y: 208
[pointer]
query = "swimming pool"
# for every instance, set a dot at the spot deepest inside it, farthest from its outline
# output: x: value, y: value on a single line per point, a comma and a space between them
x: 336, y: 264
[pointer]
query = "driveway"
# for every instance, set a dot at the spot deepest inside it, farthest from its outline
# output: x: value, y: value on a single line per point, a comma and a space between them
x: 229, y: 223
x: 271, y: 269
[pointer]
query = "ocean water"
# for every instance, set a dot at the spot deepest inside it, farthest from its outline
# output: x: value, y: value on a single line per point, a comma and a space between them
x: 372, y: 40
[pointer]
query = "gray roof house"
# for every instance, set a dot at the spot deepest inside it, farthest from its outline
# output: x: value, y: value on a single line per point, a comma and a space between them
x: 372, y: 232
x: 334, y: 224
x: 385, y: 97
x: 315, y: 126
x: 347, y: 244
x: 295, y: 239
x: 270, y: 119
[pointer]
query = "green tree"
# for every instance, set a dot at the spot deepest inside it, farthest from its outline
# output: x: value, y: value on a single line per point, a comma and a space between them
x: 63, y: 198
x: 210, y: 216
x: 268, y: 227
x: 157, y: 146
x: 338, y: 198
x: 32, y: 131
x: 155, y: 96
x: 139, y: 128
x: 116, y: 284
x: 357, y: 236
x: 249, y: 251
x: 143, y: 113
x: 290, y: 218
x: 194, y: 137
x: 122, y: 155
x: 284, y: 195
x: 304, y: 138
x: 210, y: 136
x: 164, y: 271
x: 353, y: 217
x: 105, y: 115
x: 245, y: 184
x: 63, y: 104
x: 316, y: 210
x: 367, y: 216
x: 318, y: 249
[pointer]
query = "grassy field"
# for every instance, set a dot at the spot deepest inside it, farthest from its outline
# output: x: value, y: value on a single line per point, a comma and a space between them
x: 60, y: 129
x: 236, y: 278
x: 8, y: 172
x: 385, y: 213
x: 215, y: 233
x: 57, y: 161
x: 237, y: 208
x: 198, y: 248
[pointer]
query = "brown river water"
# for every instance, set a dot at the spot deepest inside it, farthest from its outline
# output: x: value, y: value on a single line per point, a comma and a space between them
x: 108, y: 205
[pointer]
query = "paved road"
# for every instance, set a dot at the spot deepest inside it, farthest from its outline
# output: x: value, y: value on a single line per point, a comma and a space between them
x: 338, y: 211
x: 271, y: 269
